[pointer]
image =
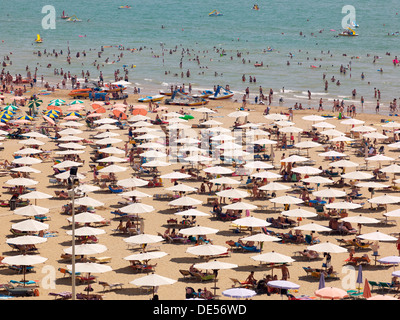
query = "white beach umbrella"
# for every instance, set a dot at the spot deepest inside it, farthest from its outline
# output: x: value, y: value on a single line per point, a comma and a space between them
x: 156, y: 163
x: 66, y: 174
x: 274, y: 186
x: 175, y: 175
x: 192, y: 212
x: 239, y: 293
x: 363, y: 129
x: 332, y: 132
x: 87, y: 249
x: 218, y: 170
x: 32, y: 142
x: 31, y: 210
x: 314, y: 118
x: 312, y: 227
x: 343, y: 164
x: 90, y: 267
x: 332, y: 153
x: 357, y: 175
x: 342, y: 138
x: 143, y: 239
x: 273, y: 257
x: 21, y: 182
x: 69, y: 138
x: 28, y: 151
x: 299, y: 213
x: 113, y: 169
x: 329, y: 193
x: 225, y: 180
x: 26, y: 240
x: 393, y: 168
x: 286, y: 200
x: 137, y: 208
x: 318, y: 180
x: 87, y: 217
x: 261, y: 237
x: 89, y: 202
x: 251, y: 222
x: 26, y: 169
x: 385, y: 199
x: 106, y: 141
x: 294, y: 158
x: 181, y: 188
x: 240, y: 206
x: 72, y: 145
x: 327, y: 247
x: 132, y: 183
x: 343, y: 205
x: 307, y: 170
x: 87, y: 231
x: 185, y: 201
x: 377, y: 236
x: 324, y: 125
x: 375, y: 135
x: 207, y: 250
x: 67, y: 164
x: 258, y: 165
x: 26, y: 161
x: 152, y: 280
x: 352, y: 122
x: 112, y: 159
x: 266, y: 175
x: 112, y: 150
x: 30, y: 225
x: 198, y: 230
x: 360, y: 219
x: 276, y: 116
x: 232, y: 193
x: 145, y: 256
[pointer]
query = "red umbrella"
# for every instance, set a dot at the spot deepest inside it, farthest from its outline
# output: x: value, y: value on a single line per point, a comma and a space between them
x: 367, y: 290
x: 100, y: 110
x: 54, y: 108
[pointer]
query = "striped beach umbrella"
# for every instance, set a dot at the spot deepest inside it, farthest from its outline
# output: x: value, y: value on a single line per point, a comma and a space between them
x: 56, y: 103
x: 76, y: 102
x: 76, y: 114
x: 29, y: 118
x: 10, y: 107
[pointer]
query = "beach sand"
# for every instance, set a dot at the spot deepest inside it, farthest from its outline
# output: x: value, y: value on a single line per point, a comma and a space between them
x: 156, y: 222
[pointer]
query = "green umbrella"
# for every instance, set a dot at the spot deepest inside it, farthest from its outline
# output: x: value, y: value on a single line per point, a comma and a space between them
x: 34, y: 104
x: 58, y: 100
x: 55, y: 103
x: 76, y: 102
x: 10, y: 107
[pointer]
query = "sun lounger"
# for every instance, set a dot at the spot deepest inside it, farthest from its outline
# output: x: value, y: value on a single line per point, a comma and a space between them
x: 65, y: 295
x: 202, y: 277
x: 19, y: 291
x: 110, y: 286
x: 82, y: 296
x: 100, y: 259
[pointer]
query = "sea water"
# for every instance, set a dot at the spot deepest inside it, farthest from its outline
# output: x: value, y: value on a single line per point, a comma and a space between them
x: 303, y: 36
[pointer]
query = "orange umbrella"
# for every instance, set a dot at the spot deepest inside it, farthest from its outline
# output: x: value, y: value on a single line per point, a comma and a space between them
x: 100, y: 110
x: 95, y: 106
x: 367, y: 290
x: 136, y: 112
x: 54, y: 108
x: 120, y: 114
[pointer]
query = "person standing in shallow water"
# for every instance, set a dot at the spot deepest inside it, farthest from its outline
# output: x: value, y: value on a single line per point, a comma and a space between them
x: 377, y: 107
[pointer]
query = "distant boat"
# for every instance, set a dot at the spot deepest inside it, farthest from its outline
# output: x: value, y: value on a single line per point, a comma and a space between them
x: 38, y: 39
x: 354, y: 24
x: 348, y: 33
x: 64, y: 16
x: 155, y: 98
x: 256, y: 7
x: 215, y: 13
x: 73, y: 18
x: 124, y: 7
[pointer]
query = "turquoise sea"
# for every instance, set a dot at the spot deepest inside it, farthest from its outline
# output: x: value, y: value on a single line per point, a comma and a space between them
x: 171, y: 31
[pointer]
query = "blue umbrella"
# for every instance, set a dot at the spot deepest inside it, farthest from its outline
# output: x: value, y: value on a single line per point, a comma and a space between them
x: 321, y: 281
x: 359, y: 276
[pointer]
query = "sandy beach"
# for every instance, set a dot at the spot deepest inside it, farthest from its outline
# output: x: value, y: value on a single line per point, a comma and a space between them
x: 156, y: 222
